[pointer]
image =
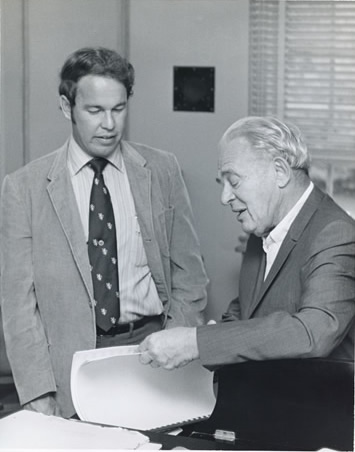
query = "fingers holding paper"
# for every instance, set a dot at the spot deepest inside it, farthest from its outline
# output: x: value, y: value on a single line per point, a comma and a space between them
x: 170, y: 348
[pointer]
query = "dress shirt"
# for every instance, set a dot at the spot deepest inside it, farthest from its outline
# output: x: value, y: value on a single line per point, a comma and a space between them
x: 272, y: 243
x: 138, y: 293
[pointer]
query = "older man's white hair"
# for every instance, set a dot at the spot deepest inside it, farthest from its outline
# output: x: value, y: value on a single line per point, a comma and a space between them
x: 272, y: 136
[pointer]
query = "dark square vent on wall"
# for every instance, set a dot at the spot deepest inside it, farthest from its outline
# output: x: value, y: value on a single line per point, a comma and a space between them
x: 194, y: 88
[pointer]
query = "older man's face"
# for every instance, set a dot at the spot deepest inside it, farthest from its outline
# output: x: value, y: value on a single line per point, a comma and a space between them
x: 250, y: 187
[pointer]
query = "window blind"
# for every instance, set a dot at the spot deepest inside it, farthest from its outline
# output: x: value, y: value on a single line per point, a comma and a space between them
x: 302, y: 69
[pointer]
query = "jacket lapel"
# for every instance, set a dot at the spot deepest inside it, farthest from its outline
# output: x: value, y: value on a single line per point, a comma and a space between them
x: 62, y: 196
x: 250, y: 274
x: 290, y: 241
x: 140, y: 180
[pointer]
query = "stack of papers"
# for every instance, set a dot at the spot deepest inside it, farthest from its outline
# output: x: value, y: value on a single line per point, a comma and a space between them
x: 113, y: 391
x: 110, y: 386
x: 29, y: 430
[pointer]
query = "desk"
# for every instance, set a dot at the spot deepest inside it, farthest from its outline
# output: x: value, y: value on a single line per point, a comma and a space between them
x: 169, y: 442
x: 303, y: 404
x: 26, y: 430
x: 296, y: 404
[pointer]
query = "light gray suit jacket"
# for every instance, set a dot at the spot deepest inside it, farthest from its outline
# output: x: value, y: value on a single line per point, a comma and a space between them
x: 306, y: 306
x: 47, y: 294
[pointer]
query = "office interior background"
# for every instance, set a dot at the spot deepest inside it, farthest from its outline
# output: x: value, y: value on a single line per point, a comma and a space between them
x: 294, y: 59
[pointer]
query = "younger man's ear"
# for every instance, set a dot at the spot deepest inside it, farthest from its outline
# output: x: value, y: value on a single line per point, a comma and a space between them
x: 65, y: 107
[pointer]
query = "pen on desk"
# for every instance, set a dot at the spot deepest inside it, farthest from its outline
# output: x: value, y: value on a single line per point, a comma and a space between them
x: 219, y: 435
x: 225, y: 436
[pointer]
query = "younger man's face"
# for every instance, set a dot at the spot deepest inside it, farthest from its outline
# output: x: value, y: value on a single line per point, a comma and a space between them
x: 99, y: 115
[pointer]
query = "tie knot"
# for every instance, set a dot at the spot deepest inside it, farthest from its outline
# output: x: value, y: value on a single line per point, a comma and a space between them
x: 98, y: 164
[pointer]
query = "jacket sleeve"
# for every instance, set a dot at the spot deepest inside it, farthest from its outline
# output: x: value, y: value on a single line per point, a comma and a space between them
x: 324, y: 317
x: 25, y: 338
x: 188, y: 276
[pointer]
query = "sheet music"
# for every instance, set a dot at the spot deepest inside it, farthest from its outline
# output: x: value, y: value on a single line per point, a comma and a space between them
x: 110, y: 386
x: 28, y: 430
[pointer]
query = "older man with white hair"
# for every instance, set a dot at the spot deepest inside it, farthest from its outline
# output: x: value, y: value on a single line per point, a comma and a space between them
x: 297, y: 281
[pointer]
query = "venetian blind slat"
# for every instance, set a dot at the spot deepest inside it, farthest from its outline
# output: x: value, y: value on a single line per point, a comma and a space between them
x: 318, y: 80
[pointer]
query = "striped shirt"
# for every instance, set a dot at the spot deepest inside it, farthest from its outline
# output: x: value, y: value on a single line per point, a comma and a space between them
x: 138, y: 294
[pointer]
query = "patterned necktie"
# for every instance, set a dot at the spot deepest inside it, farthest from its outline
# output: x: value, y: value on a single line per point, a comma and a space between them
x: 102, y: 250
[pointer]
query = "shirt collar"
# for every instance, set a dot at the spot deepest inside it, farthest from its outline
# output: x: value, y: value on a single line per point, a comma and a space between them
x: 278, y: 234
x: 78, y: 159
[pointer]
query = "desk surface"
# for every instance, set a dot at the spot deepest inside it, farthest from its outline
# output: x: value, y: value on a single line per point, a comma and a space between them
x: 169, y: 442
x: 306, y: 403
x: 49, y: 432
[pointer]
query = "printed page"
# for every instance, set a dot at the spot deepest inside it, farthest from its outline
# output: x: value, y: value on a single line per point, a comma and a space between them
x: 110, y: 386
x: 26, y: 430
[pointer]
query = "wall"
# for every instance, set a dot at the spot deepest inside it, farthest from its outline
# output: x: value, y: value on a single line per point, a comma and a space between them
x: 167, y: 33
x: 55, y: 29
x: 47, y: 31
x: 11, y: 86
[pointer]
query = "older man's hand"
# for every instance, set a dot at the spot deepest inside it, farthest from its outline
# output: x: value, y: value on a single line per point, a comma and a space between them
x: 170, y: 348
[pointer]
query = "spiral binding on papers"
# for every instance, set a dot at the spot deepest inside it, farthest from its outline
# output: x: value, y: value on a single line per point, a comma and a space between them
x: 164, y: 428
